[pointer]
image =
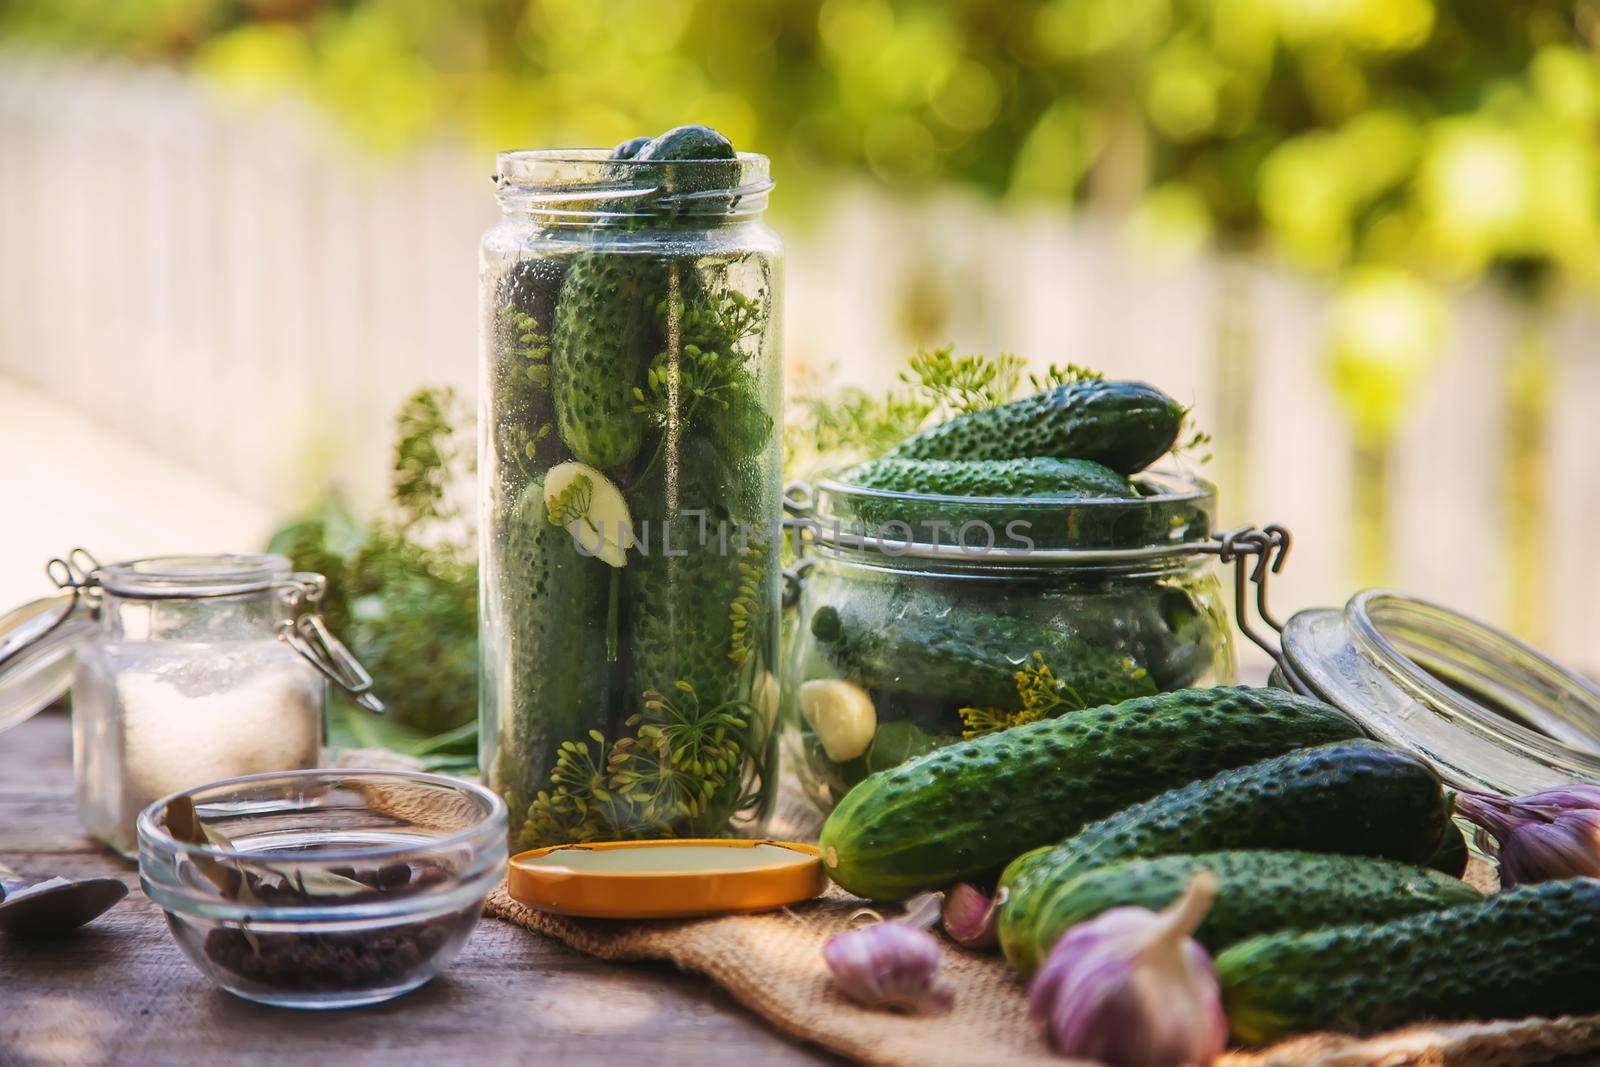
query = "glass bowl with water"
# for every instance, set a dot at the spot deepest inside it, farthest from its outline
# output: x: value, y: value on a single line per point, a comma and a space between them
x: 323, y: 888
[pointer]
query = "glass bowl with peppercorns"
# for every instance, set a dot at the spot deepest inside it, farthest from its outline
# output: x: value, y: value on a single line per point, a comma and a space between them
x: 323, y: 888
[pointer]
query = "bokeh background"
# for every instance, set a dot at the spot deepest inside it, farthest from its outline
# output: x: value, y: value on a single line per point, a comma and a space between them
x: 1358, y: 235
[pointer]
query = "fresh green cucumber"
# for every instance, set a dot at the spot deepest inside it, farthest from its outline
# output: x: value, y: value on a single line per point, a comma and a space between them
x: 1532, y: 950
x: 1258, y: 892
x: 984, y: 504
x: 1356, y: 797
x: 1034, y: 477
x: 715, y: 161
x: 556, y: 680
x: 687, y: 590
x: 970, y: 657
x: 600, y: 350
x: 1452, y: 854
x: 963, y: 812
x: 1124, y: 425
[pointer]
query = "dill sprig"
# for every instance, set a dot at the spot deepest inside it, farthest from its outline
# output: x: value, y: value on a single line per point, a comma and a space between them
x: 746, y: 604
x: 711, y: 331
x: 1041, y: 695
x: 680, y: 755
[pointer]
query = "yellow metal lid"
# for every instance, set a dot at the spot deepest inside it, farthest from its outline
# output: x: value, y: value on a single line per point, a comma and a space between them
x: 666, y: 879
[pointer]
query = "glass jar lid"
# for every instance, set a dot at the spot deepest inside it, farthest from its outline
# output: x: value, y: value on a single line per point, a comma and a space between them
x: 1173, y: 514
x: 1487, y: 710
x: 37, y: 641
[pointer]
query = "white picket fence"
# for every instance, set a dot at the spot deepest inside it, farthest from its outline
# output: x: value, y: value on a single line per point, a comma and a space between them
x: 239, y: 291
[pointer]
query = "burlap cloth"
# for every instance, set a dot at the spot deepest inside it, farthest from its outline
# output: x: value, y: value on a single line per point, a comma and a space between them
x: 772, y: 964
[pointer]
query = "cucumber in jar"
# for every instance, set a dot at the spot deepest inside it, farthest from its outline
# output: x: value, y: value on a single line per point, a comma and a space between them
x: 558, y: 681
x: 969, y: 656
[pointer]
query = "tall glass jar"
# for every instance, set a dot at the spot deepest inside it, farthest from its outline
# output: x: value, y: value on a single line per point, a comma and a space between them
x: 186, y: 681
x: 630, y: 497
x: 924, y: 619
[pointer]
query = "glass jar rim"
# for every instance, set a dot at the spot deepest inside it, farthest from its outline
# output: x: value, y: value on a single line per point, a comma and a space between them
x: 490, y: 823
x: 179, y: 577
x: 1486, y: 708
x: 588, y: 184
x: 1184, y: 506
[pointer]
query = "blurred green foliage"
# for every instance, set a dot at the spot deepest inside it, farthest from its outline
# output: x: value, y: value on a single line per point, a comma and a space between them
x: 1443, y: 139
x: 402, y: 590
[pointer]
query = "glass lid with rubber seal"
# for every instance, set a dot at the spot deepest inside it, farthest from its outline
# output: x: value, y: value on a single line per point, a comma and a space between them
x: 1486, y: 709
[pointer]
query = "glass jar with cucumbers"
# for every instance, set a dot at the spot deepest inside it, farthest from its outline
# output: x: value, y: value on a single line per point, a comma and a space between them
x: 630, y: 491
x: 1007, y: 565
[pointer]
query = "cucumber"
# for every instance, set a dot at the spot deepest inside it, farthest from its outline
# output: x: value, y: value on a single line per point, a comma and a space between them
x: 685, y: 144
x: 1124, y: 425
x: 600, y: 349
x: 557, y: 688
x: 1353, y: 796
x: 963, y: 812
x: 1168, y: 630
x: 970, y: 658
x: 1529, y: 951
x: 983, y: 504
x: 682, y: 589
x: 1452, y: 855
x: 1258, y: 893
x: 1034, y: 477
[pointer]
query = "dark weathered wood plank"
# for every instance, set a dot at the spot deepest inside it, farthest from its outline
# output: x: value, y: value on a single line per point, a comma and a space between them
x: 121, y: 991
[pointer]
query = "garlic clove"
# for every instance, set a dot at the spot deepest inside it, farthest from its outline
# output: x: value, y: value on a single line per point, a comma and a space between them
x: 971, y: 918
x: 842, y: 715
x: 888, y: 965
x: 591, y: 508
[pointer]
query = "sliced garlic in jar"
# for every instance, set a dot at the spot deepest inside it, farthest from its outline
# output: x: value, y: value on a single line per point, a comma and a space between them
x: 842, y: 715
x: 591, y: 508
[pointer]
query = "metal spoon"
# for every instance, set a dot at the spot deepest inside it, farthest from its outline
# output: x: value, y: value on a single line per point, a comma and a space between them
x: 54, y: 906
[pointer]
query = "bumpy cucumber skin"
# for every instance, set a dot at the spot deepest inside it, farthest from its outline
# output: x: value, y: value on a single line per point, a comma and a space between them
x: 600, y: 349
x: 716, y: 162
x: 1124, y: 425
x: 963, y: 812
x: 1532, y: 950
x: 971, y: 658
x: 681, y: 591
x: 555, y: 612
x: 1038, y: 476
x: 1356, y: 797
x: 1006, y: 503
x: 1258, y: 892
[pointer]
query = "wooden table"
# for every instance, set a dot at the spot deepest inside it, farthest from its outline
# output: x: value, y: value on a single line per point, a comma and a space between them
x: 121, y: 992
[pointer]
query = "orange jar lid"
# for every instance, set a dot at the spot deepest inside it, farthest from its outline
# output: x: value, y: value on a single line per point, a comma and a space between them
x: 666, y: 879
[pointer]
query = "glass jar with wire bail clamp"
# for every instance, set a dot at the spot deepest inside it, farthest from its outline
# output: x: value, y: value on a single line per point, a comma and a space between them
x: 921, y: 619
x: 630, y: 484
x: 186, y: 670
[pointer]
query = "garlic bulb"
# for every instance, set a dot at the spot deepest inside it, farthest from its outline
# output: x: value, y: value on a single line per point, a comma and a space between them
x: 1548, y: 835
x: 1130, y: 988
x: 888, y: 965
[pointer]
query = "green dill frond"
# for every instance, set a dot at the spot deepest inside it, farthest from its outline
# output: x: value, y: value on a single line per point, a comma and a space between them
x: 958, y: 385
x: 572, y: 502
x: 427, y: 453
x: 1057, y: 375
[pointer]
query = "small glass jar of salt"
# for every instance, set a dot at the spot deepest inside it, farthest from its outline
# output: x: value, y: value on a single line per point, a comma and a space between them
x: 201, y: 668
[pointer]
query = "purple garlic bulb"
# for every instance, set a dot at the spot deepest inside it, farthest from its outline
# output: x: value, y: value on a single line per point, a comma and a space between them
x: 1130, y: 988
x: 1541, y: 837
